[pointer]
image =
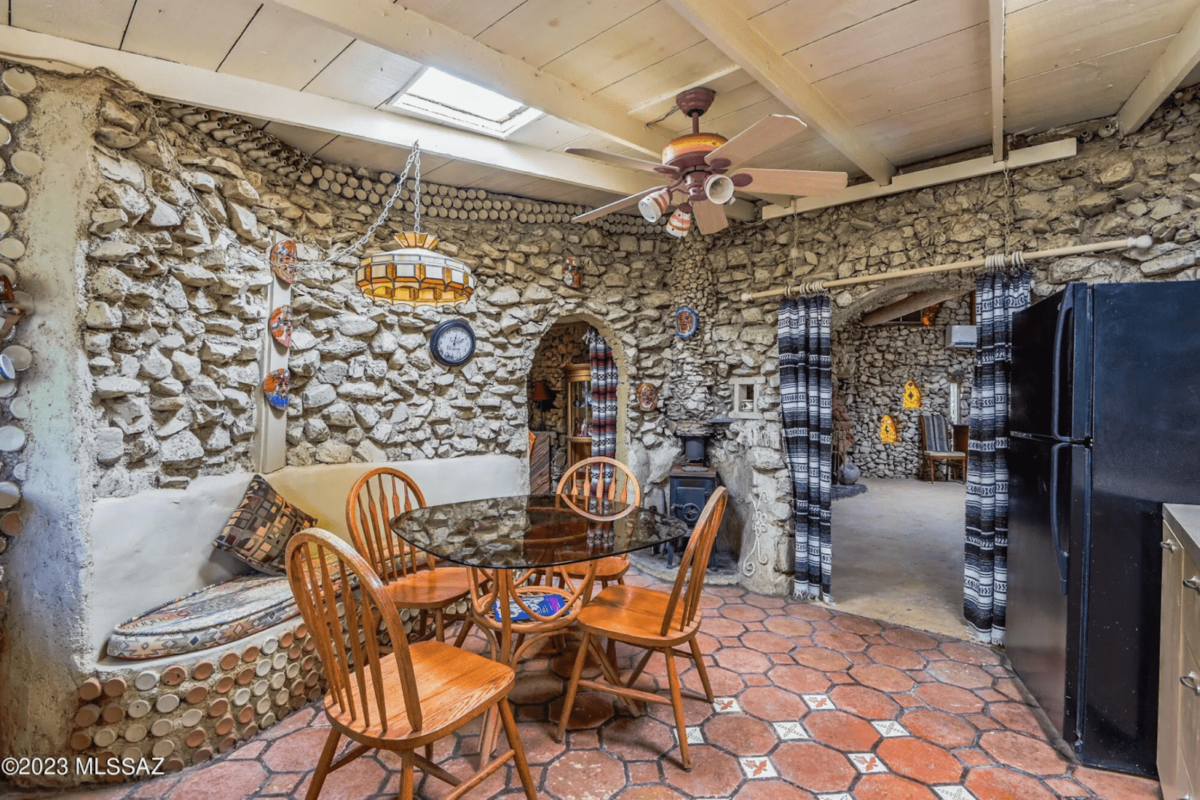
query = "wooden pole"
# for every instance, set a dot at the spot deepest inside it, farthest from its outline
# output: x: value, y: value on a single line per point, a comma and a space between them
x: 804, y: 287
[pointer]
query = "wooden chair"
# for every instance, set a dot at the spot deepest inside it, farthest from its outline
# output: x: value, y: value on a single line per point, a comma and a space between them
x: 935, y: 446
x: 589, y: 483
x: 399, y: 701
x: 412, y: 579
x: 656, y: 621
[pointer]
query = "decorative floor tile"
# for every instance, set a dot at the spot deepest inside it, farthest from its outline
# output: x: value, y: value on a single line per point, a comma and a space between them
x: 867, y: 763
x: 758, y: 767
x: 726, y: 705
x: 953, y: 793
x: 818, y: 702
x: 694, y: 735
x: 890, y: 729
x: 790, y: 730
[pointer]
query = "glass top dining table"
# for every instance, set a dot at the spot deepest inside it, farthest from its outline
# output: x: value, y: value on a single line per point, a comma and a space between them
x: 533, y: 531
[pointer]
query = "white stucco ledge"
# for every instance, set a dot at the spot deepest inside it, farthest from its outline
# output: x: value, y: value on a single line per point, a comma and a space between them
x: 155, y: 546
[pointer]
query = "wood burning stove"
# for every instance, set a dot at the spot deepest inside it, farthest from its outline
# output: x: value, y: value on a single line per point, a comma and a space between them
x: 691, y: 484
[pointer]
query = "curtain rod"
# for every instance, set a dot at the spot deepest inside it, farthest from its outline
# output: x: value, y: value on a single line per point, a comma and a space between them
x: 1014, y: 259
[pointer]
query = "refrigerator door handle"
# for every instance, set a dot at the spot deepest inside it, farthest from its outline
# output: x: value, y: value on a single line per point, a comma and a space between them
x: 1060, y: 555
x: 1068, y: 305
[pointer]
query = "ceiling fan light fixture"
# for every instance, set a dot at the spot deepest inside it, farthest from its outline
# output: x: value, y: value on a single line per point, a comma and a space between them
x: 680, y: 223
x: 719, y: 189
x: 653, y: 206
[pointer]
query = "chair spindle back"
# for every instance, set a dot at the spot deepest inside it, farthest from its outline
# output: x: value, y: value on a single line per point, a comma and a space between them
x: 598, y: 479
x: 374, y: 499
x: 322, y: 570
x: 689, y: 581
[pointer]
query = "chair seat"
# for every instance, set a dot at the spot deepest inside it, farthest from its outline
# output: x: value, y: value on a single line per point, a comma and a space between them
x: 454, y: 686
x: 944, y: 454
x: 431, y: 589
x: 607, y: 569
x: 634, y: 615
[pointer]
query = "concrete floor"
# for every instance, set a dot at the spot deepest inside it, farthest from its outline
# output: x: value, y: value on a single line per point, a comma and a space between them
x: 898, y: 554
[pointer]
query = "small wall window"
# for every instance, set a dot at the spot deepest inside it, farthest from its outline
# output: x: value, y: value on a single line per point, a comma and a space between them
x: 747, y: 396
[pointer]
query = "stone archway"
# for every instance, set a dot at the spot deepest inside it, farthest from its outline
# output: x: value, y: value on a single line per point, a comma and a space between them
x: 620, y: 358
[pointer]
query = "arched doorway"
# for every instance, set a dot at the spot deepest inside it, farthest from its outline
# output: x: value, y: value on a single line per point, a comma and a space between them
x: 558, y: 392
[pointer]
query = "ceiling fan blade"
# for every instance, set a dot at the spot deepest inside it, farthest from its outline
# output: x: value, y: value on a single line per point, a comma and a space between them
x: 758, y: 138
x: 622, y: 161
x: 710, y: 216
x: 789, y: 181
x: 624, y: 202
x: 774, y: 199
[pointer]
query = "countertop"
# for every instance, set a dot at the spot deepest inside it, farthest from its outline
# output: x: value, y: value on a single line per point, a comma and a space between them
x: 1186, y: 520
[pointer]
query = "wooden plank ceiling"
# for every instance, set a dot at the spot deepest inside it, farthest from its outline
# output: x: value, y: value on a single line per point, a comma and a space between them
x: 911, y: 77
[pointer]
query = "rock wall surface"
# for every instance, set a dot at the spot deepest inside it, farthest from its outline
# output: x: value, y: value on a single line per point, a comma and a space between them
x: 561, y: 346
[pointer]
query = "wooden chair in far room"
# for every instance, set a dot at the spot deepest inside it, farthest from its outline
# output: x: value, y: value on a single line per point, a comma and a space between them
x: 589, y: 483
x: 412, y: 579
x: 656, y: 621
x: 935, y: 447
x: 402, y: 700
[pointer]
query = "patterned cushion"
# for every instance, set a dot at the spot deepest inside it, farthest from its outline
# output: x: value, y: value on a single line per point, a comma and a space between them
x: 259, y: 529
x: 213, y: 616
x: 936, y: 440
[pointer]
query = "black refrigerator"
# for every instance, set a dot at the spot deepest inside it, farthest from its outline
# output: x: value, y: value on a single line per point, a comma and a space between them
x: 1105, y: 428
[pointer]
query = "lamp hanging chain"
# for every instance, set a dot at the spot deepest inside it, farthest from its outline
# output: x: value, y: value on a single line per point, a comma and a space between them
x: 416, y: 188
x: 414, y: 157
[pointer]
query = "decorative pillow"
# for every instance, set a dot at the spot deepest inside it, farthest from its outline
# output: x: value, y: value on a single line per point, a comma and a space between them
x: 258, y: 531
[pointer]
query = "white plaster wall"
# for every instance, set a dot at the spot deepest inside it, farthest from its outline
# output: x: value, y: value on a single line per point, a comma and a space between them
x: 156, y: 545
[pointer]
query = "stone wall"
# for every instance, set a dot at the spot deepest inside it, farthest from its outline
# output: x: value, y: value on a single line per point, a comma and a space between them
x: 871, y: 366
x: 562, y: 345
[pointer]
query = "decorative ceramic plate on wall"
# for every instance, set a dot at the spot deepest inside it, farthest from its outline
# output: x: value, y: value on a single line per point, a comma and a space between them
x: 283, y: 260
x: 687, y: 322
x: 276, y: 387
x: 282, y: 323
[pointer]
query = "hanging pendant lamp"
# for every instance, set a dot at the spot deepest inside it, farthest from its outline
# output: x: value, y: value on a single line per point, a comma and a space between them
x: 415, y: 274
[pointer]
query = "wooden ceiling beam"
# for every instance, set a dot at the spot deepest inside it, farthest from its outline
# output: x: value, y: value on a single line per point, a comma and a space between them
x: 996, y: 40
x: 406, y: 33
x: 1180, y: 58
x: 724, y: 24
x: 907, y: 305
x: 247, y: 97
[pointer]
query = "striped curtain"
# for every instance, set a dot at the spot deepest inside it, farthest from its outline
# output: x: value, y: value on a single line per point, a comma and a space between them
x: 985, y: 581
x: 604, y: 395
x: 806, y: 397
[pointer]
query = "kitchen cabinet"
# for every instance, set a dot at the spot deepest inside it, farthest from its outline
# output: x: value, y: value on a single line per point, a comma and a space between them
x: 1179, y: 648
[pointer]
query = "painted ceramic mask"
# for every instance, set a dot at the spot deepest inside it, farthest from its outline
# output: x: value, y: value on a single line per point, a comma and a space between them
x: 912, y: 395
x: 282, y: 324
x: 647, y: 396
x: 887, y: 430
x: 283, y: 260
x: 687, y: 322
x: 276, y: 388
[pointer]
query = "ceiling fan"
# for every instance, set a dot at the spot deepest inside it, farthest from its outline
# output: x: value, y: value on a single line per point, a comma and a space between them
x: 698, y: 162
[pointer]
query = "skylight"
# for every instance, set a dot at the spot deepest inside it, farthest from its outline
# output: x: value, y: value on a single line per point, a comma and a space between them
x: 452, y: 100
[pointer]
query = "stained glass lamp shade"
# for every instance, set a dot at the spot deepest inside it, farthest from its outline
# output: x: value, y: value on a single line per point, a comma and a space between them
x: 415, y: 274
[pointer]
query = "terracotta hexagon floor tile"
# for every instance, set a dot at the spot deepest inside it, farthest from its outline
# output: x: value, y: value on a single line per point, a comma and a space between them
x: 772, y: 704
x: 956, y: 673
x: 920, y: 760
x: 766, y: 642
x: 725, y: 682
x: 580, y: 775
x: 907, y: 637
x: 540, y: 747
x: 997, y: 783
x: 742, y: 612
x: 1010, y: 689
x: 800, y: 680
x: 1015, y: 716
x: 1065, y: 787
x: 821, y: 658
x: 949, y: 698
x: 694, y: 711
x: 807, y: 611
x: 971, y: 653
x: 842, y: 641
x: 971, y: 757
x: 643, y: 772
x: 890, y: 787
x: 713, y: 774
x: 1023, y: 752
x: 865, y: 702
x: 789, y: 626
x: 297, y: 752
x: 650, y: 793
x: 894, y: 656
x: 742, y: 660
x: 771, y: 790
x: 813, y: 766
x: 590, y: 710
x: 533, y: 688
x: 983, y: 722
x: 637, y: 738
x: 226, y: 780
x: 708, y: 644
x: 855, y: 624
x: 717, y: 626
x: 740, y: 734
x: 841, y: 730
x: 282, y: 784
x: 881, y: 677
x: 1111, y: 786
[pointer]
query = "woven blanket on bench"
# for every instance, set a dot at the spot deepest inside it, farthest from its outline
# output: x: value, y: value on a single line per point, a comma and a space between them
x: 213, y: 616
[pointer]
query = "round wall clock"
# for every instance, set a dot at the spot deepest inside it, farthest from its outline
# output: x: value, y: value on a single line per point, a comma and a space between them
x: 452, y: 343
x: 687, y: 322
